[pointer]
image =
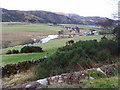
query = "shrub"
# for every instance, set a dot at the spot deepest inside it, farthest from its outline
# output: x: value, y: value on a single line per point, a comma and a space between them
x: 30, y: 49
x: 41, y: 73
x: 9, y: 52
x: 92, y: 51
x: 12, y: 51
x: 70, y: 42
x: 15, y: 51
x: 104, y: 38
x: 82, y: 53
x: 103, y: 55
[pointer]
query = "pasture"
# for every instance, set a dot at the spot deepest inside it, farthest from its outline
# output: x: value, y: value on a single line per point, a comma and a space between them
x: 20, y: 33
x: 27, y: 27
x: 49, y: 48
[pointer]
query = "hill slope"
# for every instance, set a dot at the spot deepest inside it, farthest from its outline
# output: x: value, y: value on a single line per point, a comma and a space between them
x: 83, y: 20
x: 34, y: 17
x: 47, y: 17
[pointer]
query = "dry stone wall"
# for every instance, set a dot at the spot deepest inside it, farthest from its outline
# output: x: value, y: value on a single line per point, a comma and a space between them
x: 11, y: 69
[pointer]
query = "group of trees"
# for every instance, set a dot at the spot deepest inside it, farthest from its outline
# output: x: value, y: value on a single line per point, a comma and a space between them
x: 26, y: 49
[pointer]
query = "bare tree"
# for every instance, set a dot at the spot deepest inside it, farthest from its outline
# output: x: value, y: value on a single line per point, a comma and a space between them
x: 106, y: 24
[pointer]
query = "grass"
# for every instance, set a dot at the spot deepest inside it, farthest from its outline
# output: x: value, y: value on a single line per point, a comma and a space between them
x: 43, y: 28
x: 20, y: 78
x: 15, y: 58
x: 19, y: 33
x: 111, y: 82
x: 49, y: 48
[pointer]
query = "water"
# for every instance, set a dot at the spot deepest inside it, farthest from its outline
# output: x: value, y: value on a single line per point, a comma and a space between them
x: 50, y: 37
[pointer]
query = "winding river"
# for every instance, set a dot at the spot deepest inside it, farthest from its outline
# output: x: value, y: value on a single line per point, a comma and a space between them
x: 50, y: 37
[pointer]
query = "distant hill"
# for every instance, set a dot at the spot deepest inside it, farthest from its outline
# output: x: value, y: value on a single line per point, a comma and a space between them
x: 83, y: 20
x: 34, y: 17
x: 46, y: 17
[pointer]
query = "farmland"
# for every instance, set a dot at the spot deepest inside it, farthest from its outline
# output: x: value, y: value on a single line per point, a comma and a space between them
x: 49, y: 48
x: 18, y: 33
x: 27, y: 27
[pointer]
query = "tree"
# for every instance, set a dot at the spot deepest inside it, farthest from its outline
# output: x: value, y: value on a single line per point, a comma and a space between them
x: 78, y: 30
x: 106, y: 24
x: 116, y: 32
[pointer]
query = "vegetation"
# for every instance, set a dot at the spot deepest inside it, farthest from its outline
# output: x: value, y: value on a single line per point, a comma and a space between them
x: 26, y: 27
x: 80, y: 54
x: 49, y: 48
x: 12, y: 52
x: 34, y: 17
x: 30, y: 49
x: 26, y: 49
x: 95, y: 74
x: 102, y: 83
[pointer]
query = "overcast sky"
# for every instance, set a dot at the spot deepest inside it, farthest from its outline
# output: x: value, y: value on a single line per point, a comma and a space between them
x: 103, y: 8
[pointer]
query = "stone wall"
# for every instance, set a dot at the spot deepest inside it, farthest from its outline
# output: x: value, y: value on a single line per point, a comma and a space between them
x: 11, y: 69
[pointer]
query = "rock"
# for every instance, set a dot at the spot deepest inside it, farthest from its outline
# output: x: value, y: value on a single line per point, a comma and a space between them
x: 86, y: 78
x: 43, y: 82
x: 91, y: 78
x: 45, y: 57
x: 82, y: 74
x: 38, y: 88
x: 60, y: 81
x: 29, y: 86
x: 98, y: 69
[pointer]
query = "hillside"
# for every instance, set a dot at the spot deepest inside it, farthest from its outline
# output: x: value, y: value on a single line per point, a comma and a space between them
x: 34, y: 17
x: 47, y: 17
x: 83, y: 20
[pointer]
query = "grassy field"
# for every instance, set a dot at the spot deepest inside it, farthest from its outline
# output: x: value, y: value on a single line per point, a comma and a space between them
x: 49, y: 48
x: 43, y: 28
x: 19, y: 33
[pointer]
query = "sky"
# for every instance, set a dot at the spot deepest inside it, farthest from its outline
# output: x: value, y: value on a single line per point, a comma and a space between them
x: 102, y: 8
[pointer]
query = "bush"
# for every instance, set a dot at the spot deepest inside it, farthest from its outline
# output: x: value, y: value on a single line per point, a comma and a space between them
x: 70, y: 42
x: 30, y: 49
x: 41, y: 73
x: 9, y: 52
x: 82, y: 53
x: 12, y: 51
x: 15, y: 51
x: 103, y: 55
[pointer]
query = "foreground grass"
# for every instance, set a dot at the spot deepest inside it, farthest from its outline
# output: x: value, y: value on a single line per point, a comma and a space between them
x: 49, y: 48
x: 111, y: 82
x: 20, y: 78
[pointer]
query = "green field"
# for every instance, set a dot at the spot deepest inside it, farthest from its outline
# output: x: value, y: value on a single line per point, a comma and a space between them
x: 49, y: 48
x: 43, y: 28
